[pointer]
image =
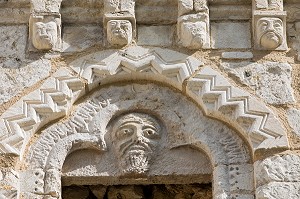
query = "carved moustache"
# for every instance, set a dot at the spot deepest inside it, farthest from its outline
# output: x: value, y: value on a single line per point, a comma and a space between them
x: 134, y: 145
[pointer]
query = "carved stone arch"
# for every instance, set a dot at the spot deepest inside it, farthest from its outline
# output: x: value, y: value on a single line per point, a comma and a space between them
x: 214, y: 94
x: 216, y: 97
x: 230, y: 156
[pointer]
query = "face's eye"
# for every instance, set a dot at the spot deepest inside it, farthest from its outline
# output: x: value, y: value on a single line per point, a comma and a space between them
x: 125, y: 27
x: 150, y: 133
x: 277, y: 25
x: 125, y: 131
x: 113, y: 23
x: 263, y: 25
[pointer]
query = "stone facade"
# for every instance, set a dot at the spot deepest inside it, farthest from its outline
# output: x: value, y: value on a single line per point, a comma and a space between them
x: 149, y: 99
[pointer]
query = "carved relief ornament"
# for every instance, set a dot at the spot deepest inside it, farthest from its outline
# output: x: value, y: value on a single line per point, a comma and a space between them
x: 119, y: 22
x: 135, y: 137
x: 269, y: 30
x: 45, y: 32
x: 193, y: 29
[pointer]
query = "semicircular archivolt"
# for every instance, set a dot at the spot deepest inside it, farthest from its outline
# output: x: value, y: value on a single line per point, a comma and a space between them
x: 217, y: 97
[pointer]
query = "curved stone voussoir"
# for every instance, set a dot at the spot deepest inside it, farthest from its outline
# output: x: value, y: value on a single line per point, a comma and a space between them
x: 51, y: 101
x: 101, y: 121
x: 221, y: 100
x: 136, y: 63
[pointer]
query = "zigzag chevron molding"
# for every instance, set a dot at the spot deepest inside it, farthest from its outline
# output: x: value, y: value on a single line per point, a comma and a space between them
x: 218, y: 98
x: 152, y: 64
x: 221, y: 100
x: 53, y: 100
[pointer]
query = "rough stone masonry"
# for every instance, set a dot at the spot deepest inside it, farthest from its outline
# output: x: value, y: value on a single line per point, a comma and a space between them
x: 149, y: 99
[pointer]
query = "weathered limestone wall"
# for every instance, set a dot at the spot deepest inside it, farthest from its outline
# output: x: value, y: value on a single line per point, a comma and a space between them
x: 250, y: 50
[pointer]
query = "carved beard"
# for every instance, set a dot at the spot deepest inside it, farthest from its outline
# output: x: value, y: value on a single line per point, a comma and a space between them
x: 135, y: 161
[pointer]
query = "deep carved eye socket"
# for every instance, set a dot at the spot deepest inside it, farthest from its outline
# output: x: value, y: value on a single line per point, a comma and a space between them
x: 277, y: 25
x: 125, y: 132
x: 150, y: 133
x: 113, y: 23
x: 263, y: 25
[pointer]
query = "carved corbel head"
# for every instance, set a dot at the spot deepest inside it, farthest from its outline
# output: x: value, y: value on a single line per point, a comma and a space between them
x: 119, y: 32
x: 193, y: 31
x: 270, y: 31
x: 120, y: 28
x: 45, y: 32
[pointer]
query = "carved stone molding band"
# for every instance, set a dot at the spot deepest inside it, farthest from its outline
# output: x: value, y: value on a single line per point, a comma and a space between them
x: 256, y: 123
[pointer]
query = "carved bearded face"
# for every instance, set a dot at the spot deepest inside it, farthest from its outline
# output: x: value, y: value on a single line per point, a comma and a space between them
x: 135, y: 137
x: 119, y: 32
x: 44, y: 35
x: 270, y: 32
x: 193, y: 34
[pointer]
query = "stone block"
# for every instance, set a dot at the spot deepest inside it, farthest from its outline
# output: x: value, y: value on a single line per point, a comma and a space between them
x: 279, y: 190
x: 13, y: 43
x: 8, y: 194
x: 8, y: 178
x: 226, y: 35
x: 242, y: 196
x: 241, y: 177
x: 221, y: 185
x: 28, y: 195
x: 237, y: 55
x: 230, y: 12
x: 24, y: 75
x: 79, y: 38
x: 155, y: 35
x: 268, y: 5
x: 32, y: 181
x: 271, y: 80
x: 20, y: 15
x: 293, y: 116
x: 152, y: 14
x: 113, y: 6
x: 279, y: 168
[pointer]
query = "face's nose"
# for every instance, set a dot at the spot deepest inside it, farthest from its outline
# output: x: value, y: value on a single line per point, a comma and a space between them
x: 43, y: 30
x: 270, y: 26
x: 118, y: 25
x: 138, y: 135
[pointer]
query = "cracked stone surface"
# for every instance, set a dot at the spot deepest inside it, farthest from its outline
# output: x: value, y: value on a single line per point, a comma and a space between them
x: 270, y: 80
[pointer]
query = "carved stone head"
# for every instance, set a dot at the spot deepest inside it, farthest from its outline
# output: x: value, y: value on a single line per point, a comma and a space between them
x: 193, y: 31
x: 119, y: 32
x: 135, y: 137
x: 45, y: 32
x: 270, y: 32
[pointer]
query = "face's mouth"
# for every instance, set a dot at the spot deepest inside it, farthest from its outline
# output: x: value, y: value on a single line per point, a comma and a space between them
x: 137, y: 148
x: 120, y: 33
x: 133, y: 146
x: 45, y: 36
x: 271, y: 39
